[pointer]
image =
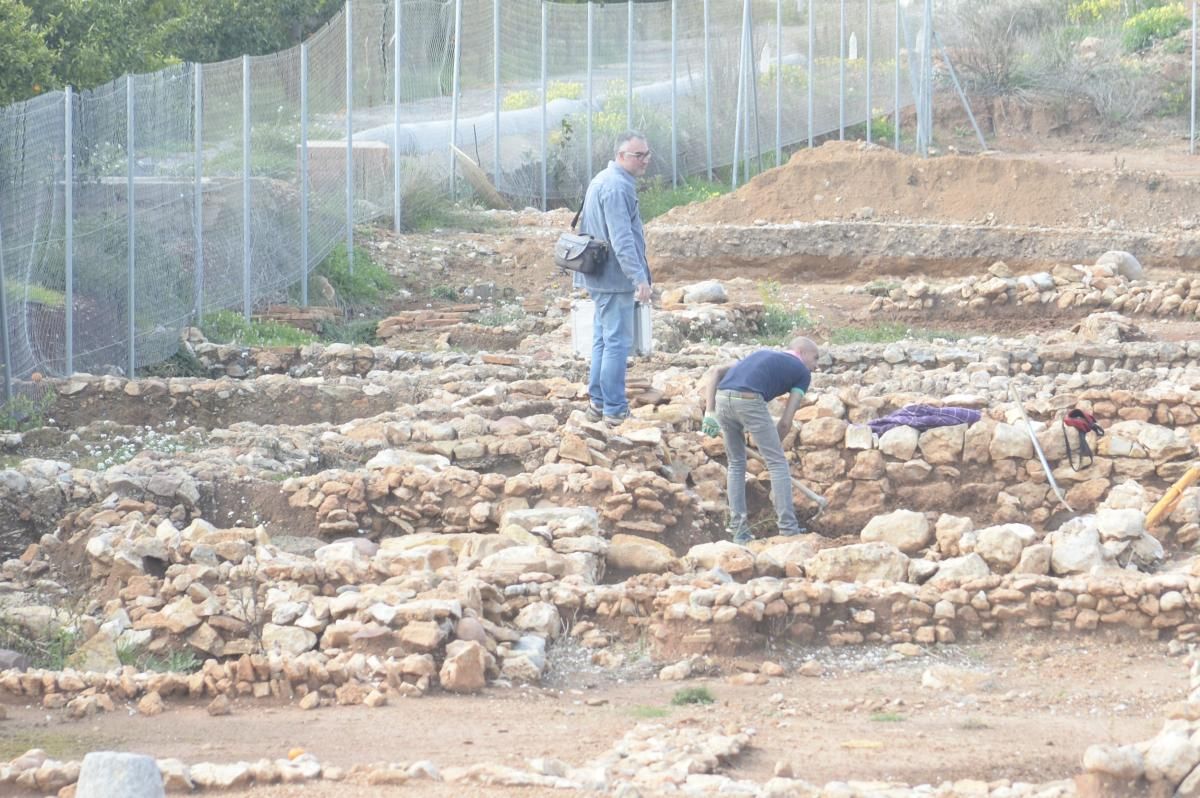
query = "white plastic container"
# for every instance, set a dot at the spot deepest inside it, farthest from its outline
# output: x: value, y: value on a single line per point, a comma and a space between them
x: 583, y: 311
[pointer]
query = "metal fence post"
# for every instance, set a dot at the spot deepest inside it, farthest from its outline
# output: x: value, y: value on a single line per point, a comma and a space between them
x: 495, y: 90
x: 304, y: 187
x: 737, y: 115
x: 198, y: 190
x: 5, y: 349
x: 778, y: 82
x: 674, y: 92
x: 350, y: 136
x: 456, y: 72
x: 927, y: 74
x: 896, y: 78
x: 812, y: 77
x: 708, y: 120
x: 587, y: 172
x: 69, y: 217
x: 247, y: 286
x: 130, y: 230
x: 545, y: 85
x: 397, y: 172
x: 1192, y: 130
x: 841, y: 70
x: 629, y: 65
x: 870, y: 25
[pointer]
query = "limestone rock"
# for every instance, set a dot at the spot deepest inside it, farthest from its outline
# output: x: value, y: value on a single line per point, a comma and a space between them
x: 1001, y: 546
x: 1122, y: 263
x: 108, y: 774
x: 949, y: 531
x: 961, y: 569
x: 541, y: 618
x: 464, y: 670
x: 860, y: 562
x: 1075, y: 547
x: 899, y: 442
x: 735, y: 560
x: 287, y: 639
x: 1121, y: 761
x: 905, y: 529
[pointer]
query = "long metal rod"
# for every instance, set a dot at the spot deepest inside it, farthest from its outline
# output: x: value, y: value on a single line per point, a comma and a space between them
x: 495, y: 91
x: 896, y: 77
x: 674, y: 93
x: 544, y: 36
x: 397, y: 172
x: 130, y: 230
x: 812, y: 77
x: 708, y: 117
x: 198, y: 191
x: 247, y: 283
x: 961, y: 94
x: 1038, y: 448
x: 454, y: 88
x: 1192, y: 130
x: 69, y: 217
x: 5, y: 348
x: 741, y: 88
x: 304, y: 186
x: 778, y: 82
x: 870, y: 25
x: 841, y: 70
x: 752, y: 95
x: 927, y: 52
x: 590, y: 98
x: 350, y: 136
x: 628, y: 64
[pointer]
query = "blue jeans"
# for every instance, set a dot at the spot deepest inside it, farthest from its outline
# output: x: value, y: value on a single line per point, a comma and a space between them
x: 738, y: 416
x: 612, y: 338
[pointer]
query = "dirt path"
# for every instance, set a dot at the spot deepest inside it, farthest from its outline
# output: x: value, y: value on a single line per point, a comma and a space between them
x: 1021, y: 709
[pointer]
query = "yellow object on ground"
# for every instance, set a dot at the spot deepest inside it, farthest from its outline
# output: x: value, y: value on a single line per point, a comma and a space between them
x: 1171, y: 498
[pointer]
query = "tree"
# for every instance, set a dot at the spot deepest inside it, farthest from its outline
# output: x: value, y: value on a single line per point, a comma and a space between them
x: 216, y: 30
x: 96, y: 41
x: 25, y: 60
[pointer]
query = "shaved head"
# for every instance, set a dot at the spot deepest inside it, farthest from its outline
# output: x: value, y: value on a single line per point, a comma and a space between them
x: 807, y: 350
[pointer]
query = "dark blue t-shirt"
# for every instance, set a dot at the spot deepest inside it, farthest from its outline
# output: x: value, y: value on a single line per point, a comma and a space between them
x: 768, y: 372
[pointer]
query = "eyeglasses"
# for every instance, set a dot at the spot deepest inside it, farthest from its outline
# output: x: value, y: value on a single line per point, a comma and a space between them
x: 641, y: 156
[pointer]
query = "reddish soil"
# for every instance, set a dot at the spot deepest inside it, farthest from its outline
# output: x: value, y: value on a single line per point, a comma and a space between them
x: 1027, y: 706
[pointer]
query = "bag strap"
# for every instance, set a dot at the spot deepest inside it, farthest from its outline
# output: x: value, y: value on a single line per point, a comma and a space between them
x: 579, y: 212
x: 1084, y: 451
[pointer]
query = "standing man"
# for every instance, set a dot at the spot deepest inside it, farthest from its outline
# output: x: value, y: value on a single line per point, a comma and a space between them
x: 736, y: 403
x: 610, y: 213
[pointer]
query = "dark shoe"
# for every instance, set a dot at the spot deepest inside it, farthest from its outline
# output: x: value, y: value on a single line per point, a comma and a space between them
x: 595, y: 412
x: 616, y: 421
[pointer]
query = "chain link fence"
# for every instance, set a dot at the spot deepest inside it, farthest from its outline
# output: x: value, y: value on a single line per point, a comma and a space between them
x: 130, y: 210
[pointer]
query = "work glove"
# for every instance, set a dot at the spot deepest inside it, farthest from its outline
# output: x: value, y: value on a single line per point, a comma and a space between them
x: 710, y: 427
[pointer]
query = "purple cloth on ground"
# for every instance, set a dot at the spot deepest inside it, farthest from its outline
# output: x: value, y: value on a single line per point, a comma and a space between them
x: 923, y: 417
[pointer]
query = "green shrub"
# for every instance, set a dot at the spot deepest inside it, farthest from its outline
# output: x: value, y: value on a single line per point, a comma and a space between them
x: 500, y: 315
x: 173, y: 661
x: 368, y: 282
x: 530, y: 98
x: 26, y: 412
x: 228, y: 327
x: 658, y: 196
x: 692, y: 695
x: 779, y: 323
x: 1153, y: 24
x: 356, y: 331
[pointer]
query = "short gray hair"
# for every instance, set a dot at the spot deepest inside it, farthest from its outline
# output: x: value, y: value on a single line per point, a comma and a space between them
x: 627, y: 136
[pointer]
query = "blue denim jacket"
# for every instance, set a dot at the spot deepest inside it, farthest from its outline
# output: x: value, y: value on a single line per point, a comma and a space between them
x: 610, y: 213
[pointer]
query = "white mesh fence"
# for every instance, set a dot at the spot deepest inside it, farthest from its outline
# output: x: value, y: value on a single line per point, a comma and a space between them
x: 188, y: 220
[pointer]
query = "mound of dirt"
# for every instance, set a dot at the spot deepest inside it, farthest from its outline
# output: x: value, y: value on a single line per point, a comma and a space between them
x: 843, y: 180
